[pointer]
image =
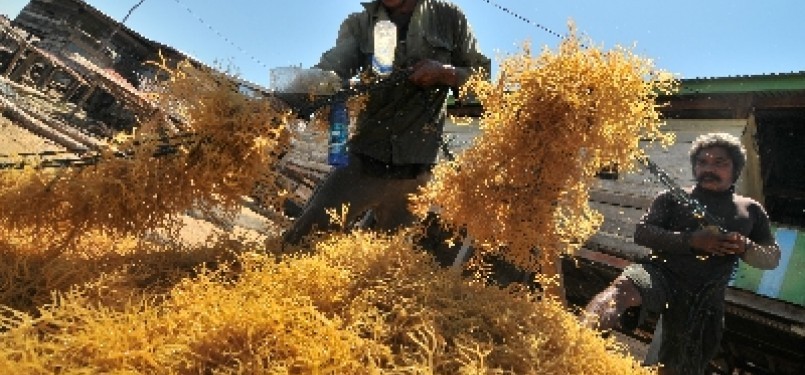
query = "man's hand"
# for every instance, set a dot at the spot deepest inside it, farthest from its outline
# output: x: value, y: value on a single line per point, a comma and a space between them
x: 715, y: 243
x: 427, y: 73
x: 313, y: 81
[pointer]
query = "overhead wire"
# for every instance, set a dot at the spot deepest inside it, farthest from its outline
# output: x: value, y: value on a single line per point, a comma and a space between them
x: 524, y: 19
x: 221, y: 35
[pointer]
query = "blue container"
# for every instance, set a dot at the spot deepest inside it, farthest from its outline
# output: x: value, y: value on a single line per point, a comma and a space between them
x: 337, y: 153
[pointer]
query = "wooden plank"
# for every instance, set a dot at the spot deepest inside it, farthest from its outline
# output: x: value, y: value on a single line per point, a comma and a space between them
x: 642, y: 189
x: 618, y: 220
x: 781, y: 309
x: 619, y: 198
x: 301, y: 175
x: 24, y: 119
x: 315, y: 167
x: 599, y: 257
x: 703, y: 126
x: 618, y: 228
x: 626, y: 214
x: 621, y: 247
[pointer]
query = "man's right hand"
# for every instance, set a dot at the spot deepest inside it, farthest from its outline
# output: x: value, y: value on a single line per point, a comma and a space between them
x: 713, y: 242
x: 427, y: 73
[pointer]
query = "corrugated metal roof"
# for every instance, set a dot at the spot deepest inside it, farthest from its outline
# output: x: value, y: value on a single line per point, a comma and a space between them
x: 793, y: 81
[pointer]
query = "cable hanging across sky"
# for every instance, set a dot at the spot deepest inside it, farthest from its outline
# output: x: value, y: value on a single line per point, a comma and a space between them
x: 526, y: 20
x: 222, y: 36
x: 258, y: 61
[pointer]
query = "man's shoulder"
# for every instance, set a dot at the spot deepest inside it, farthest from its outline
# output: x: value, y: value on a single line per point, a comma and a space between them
x: 444, y: 6
x: 667, y: 194
x: 444, y: 3
x: 745, y: 200
x: 357, y: 21
x: 354, y: 16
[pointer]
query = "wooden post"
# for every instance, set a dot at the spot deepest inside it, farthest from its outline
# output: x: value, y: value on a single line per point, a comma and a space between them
x: 751, y: 181
x: 17, y: 56
x: 86, y: 96
x: 46, y: 77
x: 72, y: 88
x: 24, y: 68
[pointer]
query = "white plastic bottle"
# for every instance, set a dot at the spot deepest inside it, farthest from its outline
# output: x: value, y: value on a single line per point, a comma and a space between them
x: 385, y: 42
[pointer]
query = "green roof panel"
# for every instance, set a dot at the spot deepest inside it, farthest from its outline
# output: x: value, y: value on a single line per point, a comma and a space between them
x: 743, y: 84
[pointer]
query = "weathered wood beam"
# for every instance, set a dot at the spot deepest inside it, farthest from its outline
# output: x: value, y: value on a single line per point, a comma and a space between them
x: 21, y: 117
x: 17, y: 56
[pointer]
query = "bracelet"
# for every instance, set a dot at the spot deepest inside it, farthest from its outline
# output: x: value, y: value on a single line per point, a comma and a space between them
x: 747, y: 244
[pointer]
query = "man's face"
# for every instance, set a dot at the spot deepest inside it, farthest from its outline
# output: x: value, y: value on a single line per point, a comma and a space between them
x: 713, y: 169
x: 400, y: 6
x: 393, y: 4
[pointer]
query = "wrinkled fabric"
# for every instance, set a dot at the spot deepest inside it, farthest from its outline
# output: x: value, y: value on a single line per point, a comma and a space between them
x: 667, y: 226
x: 691, y: 320
x: 403, y: 124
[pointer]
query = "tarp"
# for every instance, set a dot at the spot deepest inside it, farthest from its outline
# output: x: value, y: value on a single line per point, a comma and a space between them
x: 787, y: 281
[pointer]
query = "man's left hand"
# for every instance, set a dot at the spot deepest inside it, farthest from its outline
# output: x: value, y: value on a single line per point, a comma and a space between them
x: 715, y: 243
x: 427, y: 73
x: 740, y: 242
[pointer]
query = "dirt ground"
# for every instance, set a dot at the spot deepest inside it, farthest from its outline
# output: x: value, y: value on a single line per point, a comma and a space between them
x: 15, y: 140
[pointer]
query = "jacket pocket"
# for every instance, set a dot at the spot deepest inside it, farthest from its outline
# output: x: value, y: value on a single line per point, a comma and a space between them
x: 438, y: 48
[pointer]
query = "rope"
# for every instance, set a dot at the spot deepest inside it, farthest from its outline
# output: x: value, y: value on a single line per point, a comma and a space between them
x: 222, y: 36
x: 698, y: 210
x: 526, y: 20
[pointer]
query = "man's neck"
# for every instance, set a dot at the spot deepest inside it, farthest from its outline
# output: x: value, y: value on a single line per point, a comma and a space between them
x: 401, y: 17
x: 703, y: 190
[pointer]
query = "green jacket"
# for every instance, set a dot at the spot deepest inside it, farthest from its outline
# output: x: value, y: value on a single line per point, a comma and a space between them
x: 403, y: 124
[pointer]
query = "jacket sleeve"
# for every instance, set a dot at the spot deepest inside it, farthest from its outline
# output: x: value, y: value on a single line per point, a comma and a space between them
x: 762, y: 250
x: 467, y: 57
x: 651, y: 231
x: 345, y: 58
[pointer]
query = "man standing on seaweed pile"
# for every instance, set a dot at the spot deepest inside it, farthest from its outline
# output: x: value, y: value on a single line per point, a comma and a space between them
x: 691, y: 264
x: 399, y: 132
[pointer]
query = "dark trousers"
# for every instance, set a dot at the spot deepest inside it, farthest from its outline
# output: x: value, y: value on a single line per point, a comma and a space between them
x: 360, y: 186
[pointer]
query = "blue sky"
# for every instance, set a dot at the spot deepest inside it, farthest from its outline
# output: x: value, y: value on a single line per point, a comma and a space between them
x: 701, y: 38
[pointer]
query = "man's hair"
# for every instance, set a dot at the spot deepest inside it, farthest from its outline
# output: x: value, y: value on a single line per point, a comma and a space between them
x: 729, y: 142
